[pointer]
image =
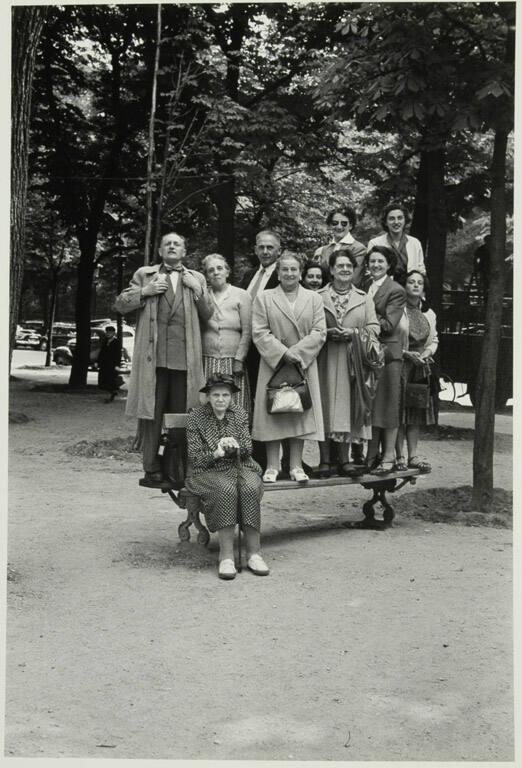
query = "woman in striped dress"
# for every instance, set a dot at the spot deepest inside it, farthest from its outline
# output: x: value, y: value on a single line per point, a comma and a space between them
x: 227, y: 333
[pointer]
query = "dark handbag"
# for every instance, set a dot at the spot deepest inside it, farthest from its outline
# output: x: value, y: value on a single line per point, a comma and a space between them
x: 417, y: 396
x: 287, y: 390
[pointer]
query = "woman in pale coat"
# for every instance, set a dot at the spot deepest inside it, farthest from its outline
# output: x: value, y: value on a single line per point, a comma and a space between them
x: 422, y: 343
x: 407, y: 249
x: 346, y: 309
x: 288, y: 325
x: 226, y: 335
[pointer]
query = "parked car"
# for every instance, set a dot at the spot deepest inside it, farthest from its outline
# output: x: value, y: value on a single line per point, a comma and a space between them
x: 63, y: 355
x: 62, y: 333
x: 26, y: 338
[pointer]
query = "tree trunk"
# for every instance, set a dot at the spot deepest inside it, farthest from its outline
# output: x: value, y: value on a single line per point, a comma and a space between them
x: 50, y: 321
x: 224, y: 199
x: 27, y: 27
x: 437, y: 225
x: 487, y: 372
x: 86, y: 267
x: 225, y: 195
x: 419, y: 223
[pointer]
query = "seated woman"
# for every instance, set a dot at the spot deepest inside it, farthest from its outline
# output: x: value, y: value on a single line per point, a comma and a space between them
x: 288, y: 326
x: 314, y: 276
x: 346, y: 308
x: 389, y: 299
x: 341, y: 221
x: 224, y: 475
x: 422, y: 345
x: 407, y: 249
x: 226, y: 335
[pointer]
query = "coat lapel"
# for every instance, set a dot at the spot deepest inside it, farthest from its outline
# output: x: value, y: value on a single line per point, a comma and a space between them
x: 356, y: 299
x: 301, y: 303
x: 282, y: 304
x: 382, y: 291
x: 328, y: 305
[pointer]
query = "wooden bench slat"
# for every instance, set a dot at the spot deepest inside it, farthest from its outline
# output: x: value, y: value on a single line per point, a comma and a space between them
x: 175, y: 424
x: 175, y: 420
x: 291, y: 485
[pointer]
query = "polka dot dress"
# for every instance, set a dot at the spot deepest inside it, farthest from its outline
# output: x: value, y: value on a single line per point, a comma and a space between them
x: 219, y: 483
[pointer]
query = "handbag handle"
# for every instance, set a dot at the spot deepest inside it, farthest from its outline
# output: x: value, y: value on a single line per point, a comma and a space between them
x: 283, y: 362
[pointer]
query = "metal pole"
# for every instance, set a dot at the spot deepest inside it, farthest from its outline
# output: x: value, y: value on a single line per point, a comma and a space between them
x: 239, y: 511
x: 150, y: 159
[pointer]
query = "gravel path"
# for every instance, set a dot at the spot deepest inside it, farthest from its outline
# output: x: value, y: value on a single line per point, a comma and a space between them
x: 360, y: 645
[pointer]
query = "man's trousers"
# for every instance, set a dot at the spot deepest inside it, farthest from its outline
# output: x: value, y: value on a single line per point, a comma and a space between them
x: 171, y: 397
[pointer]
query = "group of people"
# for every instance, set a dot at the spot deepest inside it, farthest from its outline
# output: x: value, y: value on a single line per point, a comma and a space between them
x: 199, y: 335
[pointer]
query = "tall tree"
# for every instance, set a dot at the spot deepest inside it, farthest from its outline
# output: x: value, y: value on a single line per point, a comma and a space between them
x: 27, y: 27
x: 51, y: 253
x: 497, y: 96
x: 416, y: 69
x: 93, y: 74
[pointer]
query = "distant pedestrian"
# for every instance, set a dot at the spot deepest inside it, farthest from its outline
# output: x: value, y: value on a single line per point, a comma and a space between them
x: 109, y: 379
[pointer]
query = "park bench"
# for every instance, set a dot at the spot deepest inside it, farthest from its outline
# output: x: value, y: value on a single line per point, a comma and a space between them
x: 174, y: 461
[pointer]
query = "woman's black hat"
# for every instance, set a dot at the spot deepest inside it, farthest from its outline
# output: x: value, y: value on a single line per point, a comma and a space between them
x: 220, y: 380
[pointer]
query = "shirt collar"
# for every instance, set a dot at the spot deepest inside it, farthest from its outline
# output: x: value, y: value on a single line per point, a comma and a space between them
x: 347, y: 239
x: 379, y: 282
x: 267, y: 270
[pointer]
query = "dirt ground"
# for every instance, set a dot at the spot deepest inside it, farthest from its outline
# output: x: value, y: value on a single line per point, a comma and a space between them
x: 360, y: 645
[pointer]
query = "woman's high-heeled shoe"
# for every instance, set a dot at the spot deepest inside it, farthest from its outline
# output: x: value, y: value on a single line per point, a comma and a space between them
x: 270, y: 475
x: 299, y: 475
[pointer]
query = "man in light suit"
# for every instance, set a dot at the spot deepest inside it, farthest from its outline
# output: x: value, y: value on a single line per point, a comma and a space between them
x: 167, y: 365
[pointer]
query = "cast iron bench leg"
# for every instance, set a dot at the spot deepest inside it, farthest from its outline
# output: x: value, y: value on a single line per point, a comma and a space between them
x: 379, y: 496
x: 193, y: 510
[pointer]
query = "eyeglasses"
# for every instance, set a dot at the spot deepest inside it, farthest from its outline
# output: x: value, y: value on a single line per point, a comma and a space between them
x: 342, y: 224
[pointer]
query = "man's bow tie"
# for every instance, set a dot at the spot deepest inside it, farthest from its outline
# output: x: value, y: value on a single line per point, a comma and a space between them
x: 172, y: 269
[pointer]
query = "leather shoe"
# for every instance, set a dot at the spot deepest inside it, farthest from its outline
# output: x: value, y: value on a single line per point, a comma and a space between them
x: 227, y: 569
x: 154, y: 477
x: 257, y: 565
